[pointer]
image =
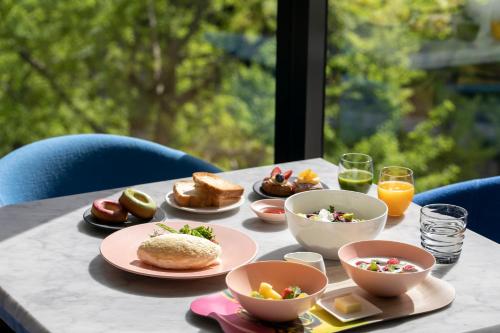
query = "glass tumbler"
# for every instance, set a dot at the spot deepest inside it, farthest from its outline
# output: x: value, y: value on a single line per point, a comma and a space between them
x: 355, y: 172
x: 442, y: 229
x: 395, y: 188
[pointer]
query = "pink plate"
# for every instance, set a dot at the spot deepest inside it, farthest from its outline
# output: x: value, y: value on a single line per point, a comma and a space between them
x: 120, y: 250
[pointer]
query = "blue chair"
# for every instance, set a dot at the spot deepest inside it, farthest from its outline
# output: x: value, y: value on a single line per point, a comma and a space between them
x: 89, y: 162
x: 481, y: 198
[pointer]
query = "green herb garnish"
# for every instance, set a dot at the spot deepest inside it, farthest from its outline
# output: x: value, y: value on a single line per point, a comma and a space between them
x: 202, y: 231
x: 166, y: 227
x: 296, y: 292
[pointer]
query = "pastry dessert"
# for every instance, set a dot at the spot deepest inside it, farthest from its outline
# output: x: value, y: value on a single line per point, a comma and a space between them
x: 307, y: 180
x: 138, y: 203
x: 109, y: 211
x: 206, y: 190
x: 277, y: 184
x: 179, y: 251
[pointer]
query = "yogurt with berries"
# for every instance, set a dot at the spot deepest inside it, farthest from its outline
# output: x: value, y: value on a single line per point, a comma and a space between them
x: 385, y: 265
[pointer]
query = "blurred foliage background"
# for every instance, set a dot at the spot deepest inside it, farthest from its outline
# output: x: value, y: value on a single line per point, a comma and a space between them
x: 411, y: 83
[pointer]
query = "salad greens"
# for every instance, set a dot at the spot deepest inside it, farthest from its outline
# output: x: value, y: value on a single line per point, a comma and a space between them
x: 201, y: 231
x: 330, y: 215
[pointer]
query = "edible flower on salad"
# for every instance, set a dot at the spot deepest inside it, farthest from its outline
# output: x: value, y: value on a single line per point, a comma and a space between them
x: 330, y: 215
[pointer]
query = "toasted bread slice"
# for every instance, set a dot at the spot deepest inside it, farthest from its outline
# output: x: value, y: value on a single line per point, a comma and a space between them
x: 217, y: 186
x: 186, y: 194
x: 218, y: 201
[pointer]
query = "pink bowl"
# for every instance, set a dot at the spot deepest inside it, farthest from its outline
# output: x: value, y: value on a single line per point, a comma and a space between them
x: 386, y: 284
x: 280, y: 274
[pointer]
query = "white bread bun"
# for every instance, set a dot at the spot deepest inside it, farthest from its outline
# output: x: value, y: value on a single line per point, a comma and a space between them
x: 179, y: 251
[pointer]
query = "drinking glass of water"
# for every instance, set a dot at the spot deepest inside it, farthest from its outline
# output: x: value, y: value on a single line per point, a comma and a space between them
x: 442, y: 229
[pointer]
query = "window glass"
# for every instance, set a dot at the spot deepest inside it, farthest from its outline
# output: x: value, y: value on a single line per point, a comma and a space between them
x: 193, y: 75
x: 415, y: 83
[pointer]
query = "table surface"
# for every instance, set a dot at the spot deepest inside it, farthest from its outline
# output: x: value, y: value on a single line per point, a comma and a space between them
x: 53, y: 279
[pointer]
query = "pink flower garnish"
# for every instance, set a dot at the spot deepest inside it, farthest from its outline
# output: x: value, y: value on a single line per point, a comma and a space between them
x: 409, y: 268
x: 392, y: 261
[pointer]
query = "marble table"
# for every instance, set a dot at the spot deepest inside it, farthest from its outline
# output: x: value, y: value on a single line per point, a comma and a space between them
x: 53, y: 279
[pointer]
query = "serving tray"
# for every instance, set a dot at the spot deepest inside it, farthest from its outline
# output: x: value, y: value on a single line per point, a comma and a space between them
x: 430, y: 295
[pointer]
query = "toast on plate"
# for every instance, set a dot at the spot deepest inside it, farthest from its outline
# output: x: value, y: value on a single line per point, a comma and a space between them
x: 217, y: 186
x: 187, y: 193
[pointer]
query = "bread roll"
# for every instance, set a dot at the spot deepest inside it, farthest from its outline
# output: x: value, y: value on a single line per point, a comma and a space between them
x: 179, y: 251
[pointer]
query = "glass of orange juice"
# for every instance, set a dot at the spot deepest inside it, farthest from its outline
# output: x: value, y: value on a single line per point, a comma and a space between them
x: 396, y: 188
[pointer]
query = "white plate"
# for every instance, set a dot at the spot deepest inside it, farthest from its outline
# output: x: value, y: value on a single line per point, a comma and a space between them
x: 258, y: 205
x: 169, y: 198
x: 327, y: 303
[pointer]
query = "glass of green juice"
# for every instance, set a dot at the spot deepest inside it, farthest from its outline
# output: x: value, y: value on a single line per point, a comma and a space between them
x: 355, y: 172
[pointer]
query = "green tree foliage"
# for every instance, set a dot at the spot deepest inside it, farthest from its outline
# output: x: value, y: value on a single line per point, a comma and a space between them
x: 142, y: 68
x: 372, y: 84
x: 199, y: 76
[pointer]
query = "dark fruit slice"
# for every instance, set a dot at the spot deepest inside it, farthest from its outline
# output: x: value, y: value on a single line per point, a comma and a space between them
x: 279, y: 178
x: 275, y: 171
x: 287, y: 174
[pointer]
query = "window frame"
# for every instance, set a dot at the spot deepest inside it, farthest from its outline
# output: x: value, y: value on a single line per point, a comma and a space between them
x: 300, y: 79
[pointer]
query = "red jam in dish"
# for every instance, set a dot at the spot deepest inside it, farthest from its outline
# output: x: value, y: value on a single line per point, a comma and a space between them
x: 273, y: 210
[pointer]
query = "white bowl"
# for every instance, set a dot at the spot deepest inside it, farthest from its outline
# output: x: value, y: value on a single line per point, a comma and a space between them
x: 327, y: 237
x: 259, y: 205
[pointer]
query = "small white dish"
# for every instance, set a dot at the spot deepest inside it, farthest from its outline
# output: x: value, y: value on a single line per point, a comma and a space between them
x: 259, y: 206
x: 169, y: 198
x: 307, y: 258
x: 327, y: 303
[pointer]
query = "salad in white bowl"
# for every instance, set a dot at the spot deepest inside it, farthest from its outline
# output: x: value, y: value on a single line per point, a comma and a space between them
x: 324, y: 220
x: 331, y: 215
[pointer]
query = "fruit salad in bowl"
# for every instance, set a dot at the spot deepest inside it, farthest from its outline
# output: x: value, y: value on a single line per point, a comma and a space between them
x: 386, y: 268
x: 276, y: 290
x: 266, y: 291
x: 386, y: 265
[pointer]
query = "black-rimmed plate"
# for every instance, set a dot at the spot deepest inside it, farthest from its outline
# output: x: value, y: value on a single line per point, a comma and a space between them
x: 257, y: 188
x: 131, y: 220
